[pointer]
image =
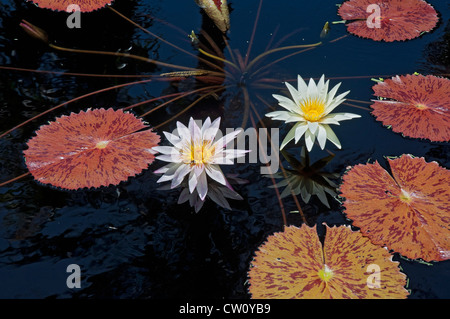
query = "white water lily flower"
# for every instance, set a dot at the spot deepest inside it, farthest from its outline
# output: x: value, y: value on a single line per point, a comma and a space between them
x: 195, y: 154
x: 310, y: 107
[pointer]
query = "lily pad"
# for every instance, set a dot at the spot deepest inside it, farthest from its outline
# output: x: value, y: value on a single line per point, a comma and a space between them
x: 90, y: 149
x: 415, y: 105
x: 61, y: 5
x: 295, y: 264
x: 388, y: 20
x: 409, y: 212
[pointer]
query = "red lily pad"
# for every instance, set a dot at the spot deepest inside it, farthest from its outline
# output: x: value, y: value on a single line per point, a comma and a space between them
x: 398, y: 20
x: 61, y: 5
x: 409, y: 212
x: 90, y: 149
x: 415, y: 105
x: 295, y: 264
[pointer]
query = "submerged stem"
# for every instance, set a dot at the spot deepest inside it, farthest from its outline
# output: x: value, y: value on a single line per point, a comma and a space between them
x: 297, y: 203
x: 15, y: 179
x: 77, y: 74
x: 277, y: 192
x: 357, y: 106
x: 218, y: 58
x: 219, y: 88
x: 253, y: 33
x: 178, y: 96
x: 70, y: 101
x: 246, y: 107
x: 262, y: 55
x: 125, y: 55
x: 163, y: 40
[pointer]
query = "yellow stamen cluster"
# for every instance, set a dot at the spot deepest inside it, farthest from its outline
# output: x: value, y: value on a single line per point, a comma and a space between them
x: 313, y: 109
x: 198, y: 153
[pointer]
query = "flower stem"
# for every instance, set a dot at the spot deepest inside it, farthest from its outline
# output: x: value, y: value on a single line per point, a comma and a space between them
x: 125, y: 55
x: 216, y: 88
x: 14, y: 179
x: 73, y: 100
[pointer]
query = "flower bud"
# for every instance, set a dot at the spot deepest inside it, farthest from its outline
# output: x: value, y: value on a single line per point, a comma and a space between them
x: 34, y: 31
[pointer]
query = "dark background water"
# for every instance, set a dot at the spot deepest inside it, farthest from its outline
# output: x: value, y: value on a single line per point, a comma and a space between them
x: 134, y: 241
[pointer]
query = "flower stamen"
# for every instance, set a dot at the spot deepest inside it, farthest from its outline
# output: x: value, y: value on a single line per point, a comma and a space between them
x: 313, y: 109
x: 200, y: 154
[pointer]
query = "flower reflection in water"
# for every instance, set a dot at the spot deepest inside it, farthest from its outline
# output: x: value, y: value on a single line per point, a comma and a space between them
x: 216, y: 192
x: 305, y: 179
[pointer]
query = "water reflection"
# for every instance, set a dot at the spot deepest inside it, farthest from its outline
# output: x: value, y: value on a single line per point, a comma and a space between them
x: 305, y: 179
x: 437, y: 54
x: 216, y: 192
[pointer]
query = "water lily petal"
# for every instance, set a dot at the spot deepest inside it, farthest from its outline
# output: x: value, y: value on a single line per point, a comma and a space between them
x: 285, y: 116
x: 321, y: 136
x: 294, y: 93
x: 216, y: 195
x: 233, y: 153
x: 192, y: 181
x: 172, y: 138
x: 332, y: 93
x: 195, y: 131
x: 332, y: 137
x: 312, y: 126
x: 294, y: 118
x: 183, y: 131
x: 166, y: 150
x: 216, y: 174
x: 321, y: 85
x: 300, y: 130
x: 322, y: 196
x: 168, y: 171
x: 198, y: 204
x: 309, y: 140
x: 206, y: 124
x: 279, y: 115
x: 210, y: 132
x: 302, y: 86
x: 337, y: 101
x: 223, y: 141
x: 165, y: 178
x: 184, y: 196
x: 287, y: 103
x: 179, y: 175
x: 172, y: 158
x: 312, y: 89
x: 202, y: 186
x: 329, y: 119
x: 223, y: 160
x: 289, y: 136
x: 342, y: 116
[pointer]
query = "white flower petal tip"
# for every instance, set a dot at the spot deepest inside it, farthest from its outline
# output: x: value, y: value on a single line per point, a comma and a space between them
x: 310, y: 106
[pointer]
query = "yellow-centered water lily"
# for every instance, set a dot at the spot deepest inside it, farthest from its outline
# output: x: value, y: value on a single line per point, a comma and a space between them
x: 196, y: 155
x: 310, y: 108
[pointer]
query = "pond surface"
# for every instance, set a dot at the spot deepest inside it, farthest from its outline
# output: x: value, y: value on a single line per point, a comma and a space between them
x: 135, y: 241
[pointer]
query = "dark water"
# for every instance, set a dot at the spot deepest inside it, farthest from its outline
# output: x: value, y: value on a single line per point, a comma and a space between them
x: 134, y: 241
